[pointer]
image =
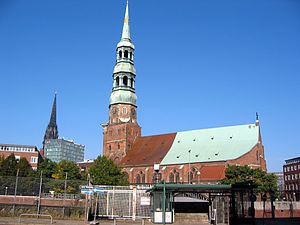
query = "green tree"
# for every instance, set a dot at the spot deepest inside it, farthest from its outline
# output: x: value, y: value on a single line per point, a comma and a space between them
x: 244, y: 174
x: 47, y: 166
x: 9, y: 166
x: 68, y: 168
x: 24, y: 167
x: 103, y: 171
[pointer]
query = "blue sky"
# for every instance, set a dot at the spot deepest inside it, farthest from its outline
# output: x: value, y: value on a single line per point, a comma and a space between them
x: 200, y: 64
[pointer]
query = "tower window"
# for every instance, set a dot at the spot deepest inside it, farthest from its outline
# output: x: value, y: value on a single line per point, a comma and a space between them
x: 124, y: 110
x: 125, y: 81
x: 126, y: 54
x: 131, y: 82
x: 109, y: 147
x: 120, y: 54
x: 118, y: 146
x: 118, y: 81
x: 131, y: 55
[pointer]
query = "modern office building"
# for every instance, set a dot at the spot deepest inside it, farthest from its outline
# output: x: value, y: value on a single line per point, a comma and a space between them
x: 291, y: 173
x: 31, y: 153
x: 61, y: 149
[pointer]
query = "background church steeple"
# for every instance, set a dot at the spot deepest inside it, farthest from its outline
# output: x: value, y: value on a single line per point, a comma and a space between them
x: 51, y: 131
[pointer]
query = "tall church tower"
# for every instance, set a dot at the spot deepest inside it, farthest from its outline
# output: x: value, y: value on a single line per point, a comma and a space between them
x: 122, y: 128
x: 51, y: 131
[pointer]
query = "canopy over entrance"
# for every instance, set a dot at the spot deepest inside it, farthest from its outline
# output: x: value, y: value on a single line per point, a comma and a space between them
x: 228, y: 204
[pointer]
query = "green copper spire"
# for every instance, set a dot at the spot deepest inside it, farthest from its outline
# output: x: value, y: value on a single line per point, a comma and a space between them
x: 123, y: 91
x: 126, y: 28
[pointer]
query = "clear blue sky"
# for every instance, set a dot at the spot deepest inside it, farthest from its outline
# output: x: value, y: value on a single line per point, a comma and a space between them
x: 200, y: 64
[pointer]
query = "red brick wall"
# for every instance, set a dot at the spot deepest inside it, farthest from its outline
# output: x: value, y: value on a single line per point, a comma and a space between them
x: 210, y: 172
x: 118, y: 136
x: 26, y: 155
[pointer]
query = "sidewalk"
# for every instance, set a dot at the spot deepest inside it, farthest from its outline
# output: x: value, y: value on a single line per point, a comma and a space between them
x: 35, y: 221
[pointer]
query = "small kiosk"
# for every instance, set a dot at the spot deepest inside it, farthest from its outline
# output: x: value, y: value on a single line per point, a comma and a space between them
x: 162, y: 206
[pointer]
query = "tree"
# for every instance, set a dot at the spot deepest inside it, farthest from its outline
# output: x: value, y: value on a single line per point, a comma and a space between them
x: 244, y: 174
x: 104, y: 171
x: 24, y: 167
x: 67, y: 167
x: 9, y: 166
x: 48, y: 168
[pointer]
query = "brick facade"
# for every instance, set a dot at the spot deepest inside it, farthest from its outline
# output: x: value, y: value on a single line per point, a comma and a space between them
x: 120, y: 132
x: 291, y: 175
x: 22, y: 151
x: 204, y: 173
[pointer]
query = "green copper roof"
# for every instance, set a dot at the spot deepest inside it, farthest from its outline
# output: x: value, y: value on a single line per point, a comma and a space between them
x: 215, y: 144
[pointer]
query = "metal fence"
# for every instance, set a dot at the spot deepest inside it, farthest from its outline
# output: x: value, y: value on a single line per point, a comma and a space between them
x: 43, y: 187
x: 126, y: 202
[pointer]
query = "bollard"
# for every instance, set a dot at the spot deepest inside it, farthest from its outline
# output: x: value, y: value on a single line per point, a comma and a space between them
x: 115, y: 221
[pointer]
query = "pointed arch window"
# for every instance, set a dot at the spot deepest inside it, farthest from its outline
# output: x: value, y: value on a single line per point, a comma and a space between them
x: 120, y: 54
x: 126, y: 54
x: 131, y: 55
x: 140, y: 178
x: 171, y: 178
x: 177, y: 178
x: 118, y: 81
x: 125, y: 80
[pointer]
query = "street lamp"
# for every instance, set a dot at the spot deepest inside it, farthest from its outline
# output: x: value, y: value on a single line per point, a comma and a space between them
x: 189, y: 175
x: 6, y: 190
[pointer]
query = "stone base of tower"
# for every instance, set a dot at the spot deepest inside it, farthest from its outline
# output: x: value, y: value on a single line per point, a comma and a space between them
x: 118, y: 139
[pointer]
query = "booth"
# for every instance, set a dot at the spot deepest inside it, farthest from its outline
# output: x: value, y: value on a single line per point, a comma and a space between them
x: 162, y: 206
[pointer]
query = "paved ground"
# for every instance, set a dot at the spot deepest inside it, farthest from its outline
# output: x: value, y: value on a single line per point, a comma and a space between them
x: 34, y: 221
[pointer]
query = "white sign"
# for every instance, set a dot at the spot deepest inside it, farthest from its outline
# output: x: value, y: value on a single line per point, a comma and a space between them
x: 145, y: 200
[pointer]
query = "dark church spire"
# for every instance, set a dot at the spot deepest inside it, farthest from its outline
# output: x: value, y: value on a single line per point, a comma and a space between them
x: 51, y: 131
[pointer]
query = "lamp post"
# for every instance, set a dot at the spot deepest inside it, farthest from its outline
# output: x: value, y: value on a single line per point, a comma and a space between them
x: 6, y: 190
x: 189, y: 174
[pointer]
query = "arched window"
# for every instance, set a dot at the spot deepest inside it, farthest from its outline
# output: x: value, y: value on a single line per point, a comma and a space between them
x: 142, y: 177
x: 131, y: 82
x: 177, y: 178
x: 126, y: 175
x: 109, y: 147
x: 120, y: 54
x: 126, y: 54
x: 125, y: 80
x: 171, y: 178
x: 118, y: 146
x: 131, y: 55
x: 190, y: 177
x: 118, y: 81
x: 138, y: 179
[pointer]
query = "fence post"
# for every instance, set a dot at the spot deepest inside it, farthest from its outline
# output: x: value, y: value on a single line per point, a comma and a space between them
x: 65, y: 190
x: 16, y: 188
x: 40, y: 192
x: 134, y: 203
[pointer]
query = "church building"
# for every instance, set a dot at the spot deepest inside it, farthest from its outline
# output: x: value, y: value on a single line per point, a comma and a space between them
x: 196, y: 156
